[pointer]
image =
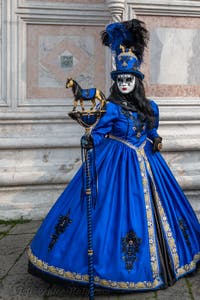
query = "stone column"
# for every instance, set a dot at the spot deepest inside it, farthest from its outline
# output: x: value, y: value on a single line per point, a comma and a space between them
x: 116, y: 8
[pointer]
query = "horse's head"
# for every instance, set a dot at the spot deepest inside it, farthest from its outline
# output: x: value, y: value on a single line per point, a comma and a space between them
x: 69, y: 83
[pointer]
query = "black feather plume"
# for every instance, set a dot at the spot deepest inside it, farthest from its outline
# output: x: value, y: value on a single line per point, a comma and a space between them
x: 131, y: 34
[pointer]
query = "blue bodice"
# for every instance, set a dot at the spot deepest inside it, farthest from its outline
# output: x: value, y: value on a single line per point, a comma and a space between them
x: 125, y: 124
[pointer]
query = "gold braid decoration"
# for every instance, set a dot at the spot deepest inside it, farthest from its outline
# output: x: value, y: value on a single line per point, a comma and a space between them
x: 104, y: 282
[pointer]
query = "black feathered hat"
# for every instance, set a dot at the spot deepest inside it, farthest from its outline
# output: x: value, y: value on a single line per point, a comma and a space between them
x: 127, y: 40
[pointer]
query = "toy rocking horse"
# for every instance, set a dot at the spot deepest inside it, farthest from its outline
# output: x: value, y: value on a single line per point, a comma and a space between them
x: 85, y: 95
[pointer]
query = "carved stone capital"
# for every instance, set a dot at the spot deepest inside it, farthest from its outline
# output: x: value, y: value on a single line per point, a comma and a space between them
x: 116, y: 8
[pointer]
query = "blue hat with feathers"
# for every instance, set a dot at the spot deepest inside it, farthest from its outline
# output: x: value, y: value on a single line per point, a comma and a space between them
x: 127, y: 40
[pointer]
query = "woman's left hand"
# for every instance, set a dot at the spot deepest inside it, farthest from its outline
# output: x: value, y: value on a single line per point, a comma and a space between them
x: 157, y: 144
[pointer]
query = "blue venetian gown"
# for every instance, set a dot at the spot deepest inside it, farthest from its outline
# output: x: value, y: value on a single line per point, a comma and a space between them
x: 146, y: 234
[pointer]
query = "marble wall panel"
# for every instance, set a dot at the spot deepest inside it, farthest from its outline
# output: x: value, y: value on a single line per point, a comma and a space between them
x: 0, y: 45
x: 174, y: 56
x: 1, y: 48
x: 39, y: 130
x: 58, y: 52
x: 171, y: 62
x: 31, y: 202
x: 38, y: 166
x: 68, y: 1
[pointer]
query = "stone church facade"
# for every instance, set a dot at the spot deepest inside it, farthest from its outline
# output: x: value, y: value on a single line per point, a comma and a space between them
x: 42, y: 43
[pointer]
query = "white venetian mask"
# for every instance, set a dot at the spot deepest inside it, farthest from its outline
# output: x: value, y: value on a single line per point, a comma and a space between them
x: 126, y: 83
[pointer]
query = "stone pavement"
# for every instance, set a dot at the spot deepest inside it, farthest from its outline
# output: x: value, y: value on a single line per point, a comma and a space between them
x: 17, y: 284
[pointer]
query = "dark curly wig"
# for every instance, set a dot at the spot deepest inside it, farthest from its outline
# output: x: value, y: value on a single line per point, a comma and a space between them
x: 136, y: 101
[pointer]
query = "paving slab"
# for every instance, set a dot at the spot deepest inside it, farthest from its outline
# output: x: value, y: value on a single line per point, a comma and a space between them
x: 132, y: 296
x: 10, y: 245
x: 10, y: 250
x: 97, y: 297
x: 21, y: 265
x: 5, y: 228
x: 24, y: 286
x: 6, y: 264
x: 30, y: 227
x: 194, y: 284
x: 58, y: 292
x: 179, y: 291
x: 67, y: 298
x: 19, y: 297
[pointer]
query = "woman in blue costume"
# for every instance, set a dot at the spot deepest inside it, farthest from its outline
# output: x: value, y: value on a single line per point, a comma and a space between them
x: 145, y: 232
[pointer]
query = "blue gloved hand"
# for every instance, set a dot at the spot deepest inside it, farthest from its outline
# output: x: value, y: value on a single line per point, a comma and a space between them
x: 87, y: 141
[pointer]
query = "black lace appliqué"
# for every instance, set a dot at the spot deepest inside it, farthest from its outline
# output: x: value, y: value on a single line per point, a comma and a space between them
x: 63, y: 222
x: 184, y: 230
x: 130, y: 248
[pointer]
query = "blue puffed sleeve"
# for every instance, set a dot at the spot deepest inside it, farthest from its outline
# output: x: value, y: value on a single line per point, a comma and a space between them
x: 105, y: 124
x: 152, y: 133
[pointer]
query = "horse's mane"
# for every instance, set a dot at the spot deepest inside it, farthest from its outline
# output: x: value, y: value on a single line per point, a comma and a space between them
x: 76, y: 88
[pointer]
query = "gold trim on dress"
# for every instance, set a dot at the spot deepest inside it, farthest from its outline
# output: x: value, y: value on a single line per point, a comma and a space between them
x: 164, y: 220
x: 84, y: 278
x: 103, y: 282
x: 149, y: 215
